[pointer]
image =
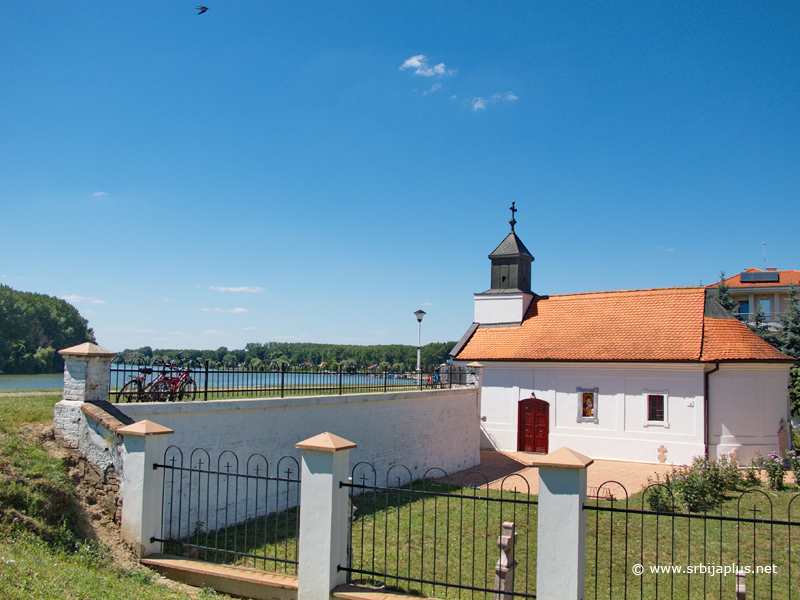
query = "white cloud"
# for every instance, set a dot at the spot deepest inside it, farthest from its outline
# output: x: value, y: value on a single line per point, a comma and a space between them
x: 74, y: 298
x: 434, y: 88
x: 98, y: 194
x: 251, y: 290
x: 665, y: 249
x: 478, y: 103
x: 249, y: 329
x: 426, y: 304
x: 421, y: 67
x: 166, y: 299
x: 507, y: 97
x: 225, y: 310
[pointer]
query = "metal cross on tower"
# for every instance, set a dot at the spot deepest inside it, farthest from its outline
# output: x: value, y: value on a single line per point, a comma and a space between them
x: 513, y: 221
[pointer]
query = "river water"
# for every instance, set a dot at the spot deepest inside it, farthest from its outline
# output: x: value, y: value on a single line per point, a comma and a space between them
x: 52, y: 381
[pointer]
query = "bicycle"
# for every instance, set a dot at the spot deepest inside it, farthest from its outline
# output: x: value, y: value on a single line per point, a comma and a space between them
x: 181, y: 387
x: 163, y: 388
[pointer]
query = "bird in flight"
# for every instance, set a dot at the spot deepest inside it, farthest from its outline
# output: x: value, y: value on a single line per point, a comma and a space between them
x: 202, y: 9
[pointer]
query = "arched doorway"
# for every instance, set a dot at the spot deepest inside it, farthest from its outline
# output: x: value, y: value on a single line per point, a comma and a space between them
x: 533, y: 426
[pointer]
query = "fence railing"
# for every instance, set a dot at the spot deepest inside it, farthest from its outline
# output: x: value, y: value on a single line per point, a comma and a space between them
x: 439, y: 537
x: 186, y: 380
x: 224, y: 512
x: 636, y: 552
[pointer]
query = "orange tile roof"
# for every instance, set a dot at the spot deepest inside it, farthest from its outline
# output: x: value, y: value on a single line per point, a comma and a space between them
x: 786, y: 278
x: 639, y: 325
x: 729, y: 339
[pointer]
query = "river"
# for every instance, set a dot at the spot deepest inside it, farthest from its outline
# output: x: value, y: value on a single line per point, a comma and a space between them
x: 52, y: 381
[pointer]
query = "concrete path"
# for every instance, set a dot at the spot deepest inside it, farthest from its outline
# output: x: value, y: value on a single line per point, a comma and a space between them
x: 517, y: 470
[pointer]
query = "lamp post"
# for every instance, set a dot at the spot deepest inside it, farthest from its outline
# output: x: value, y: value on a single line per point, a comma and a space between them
x: 419, y: 314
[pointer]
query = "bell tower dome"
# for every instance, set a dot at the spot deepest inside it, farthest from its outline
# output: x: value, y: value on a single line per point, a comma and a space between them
x: 511, y: 264
x: 509, y: 296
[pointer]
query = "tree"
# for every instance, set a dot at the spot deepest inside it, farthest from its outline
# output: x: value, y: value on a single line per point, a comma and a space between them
x: 790, y: 344
x: 723, y: 294
x: 790, y: 336
x: 758, y: 321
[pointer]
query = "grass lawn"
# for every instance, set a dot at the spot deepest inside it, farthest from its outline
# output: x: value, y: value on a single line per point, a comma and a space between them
x: 408, y: 537
x: 685, y: 542
x: 43, y: 551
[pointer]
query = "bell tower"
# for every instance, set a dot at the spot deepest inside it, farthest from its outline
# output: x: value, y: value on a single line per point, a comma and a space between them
x: 509, y: 296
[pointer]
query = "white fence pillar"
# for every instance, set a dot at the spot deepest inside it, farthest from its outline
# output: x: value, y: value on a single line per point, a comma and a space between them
x: 323, y: 515
x: 145, y: 443
x: 561, y: 558
x: 86, y: 370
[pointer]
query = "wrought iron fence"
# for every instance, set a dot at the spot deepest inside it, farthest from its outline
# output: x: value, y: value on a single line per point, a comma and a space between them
x: 634, y: 551
x: 178, y: 380
x: 437, y: 537
x: 215, y: 512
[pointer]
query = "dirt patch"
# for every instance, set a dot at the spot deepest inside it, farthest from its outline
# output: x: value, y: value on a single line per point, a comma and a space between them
x: 99, y: 514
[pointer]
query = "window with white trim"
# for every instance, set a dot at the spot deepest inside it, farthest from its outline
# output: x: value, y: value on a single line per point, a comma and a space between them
x: 656, y: 408
x: 587, y: 405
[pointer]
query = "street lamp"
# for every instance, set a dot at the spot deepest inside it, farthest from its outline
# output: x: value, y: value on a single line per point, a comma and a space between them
x: 419, y: 314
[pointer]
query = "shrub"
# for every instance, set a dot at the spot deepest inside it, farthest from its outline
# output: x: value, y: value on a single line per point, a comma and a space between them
x: 696, y: 486
x: 793, y: 457
x: 774, y: 467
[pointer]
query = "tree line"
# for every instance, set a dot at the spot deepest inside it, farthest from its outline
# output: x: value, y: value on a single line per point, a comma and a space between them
x: 785, y: 338
x: 394, y: 357
x: 33, y: 328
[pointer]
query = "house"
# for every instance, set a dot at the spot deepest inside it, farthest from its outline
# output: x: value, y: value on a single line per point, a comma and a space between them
x: 636, y: 375
x: 768, y: 288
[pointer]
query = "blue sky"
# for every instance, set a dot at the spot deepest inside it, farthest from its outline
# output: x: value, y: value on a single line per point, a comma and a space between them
x: 317, y: 171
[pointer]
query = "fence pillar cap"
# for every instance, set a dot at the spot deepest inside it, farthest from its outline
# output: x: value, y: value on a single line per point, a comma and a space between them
x: 144, y: 428
x: 475, y: 365
x: 565, y: 459
x: 86, y: 349
x: 326, y: 442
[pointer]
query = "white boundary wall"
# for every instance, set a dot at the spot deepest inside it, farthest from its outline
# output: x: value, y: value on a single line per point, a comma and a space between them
x: 746, y: 404
x: 418, y: 429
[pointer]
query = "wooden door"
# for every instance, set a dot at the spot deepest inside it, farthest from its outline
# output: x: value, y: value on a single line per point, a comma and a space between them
x: 533, y: 426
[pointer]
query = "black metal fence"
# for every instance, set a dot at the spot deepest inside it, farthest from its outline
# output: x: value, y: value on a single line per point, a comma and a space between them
x: 217, y: 512
x: 634, y: 551
x: 158, y: 380
x: 437, y: 537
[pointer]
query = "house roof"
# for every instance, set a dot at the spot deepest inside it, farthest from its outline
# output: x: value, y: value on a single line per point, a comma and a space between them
x: 785, y: 279
x: 635, y: 325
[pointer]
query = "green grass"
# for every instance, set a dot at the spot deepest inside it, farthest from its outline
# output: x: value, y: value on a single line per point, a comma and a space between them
x: 682, y: 542
x: 44, y: 553
x: 455, y: 540
x: 30, y: 568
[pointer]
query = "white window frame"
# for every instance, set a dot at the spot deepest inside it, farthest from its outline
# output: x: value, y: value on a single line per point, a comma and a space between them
x: 647, y: 422
x: 581, y: 391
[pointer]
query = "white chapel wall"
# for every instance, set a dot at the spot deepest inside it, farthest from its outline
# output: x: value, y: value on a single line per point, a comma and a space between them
x: 746, y: 404
x: 621, y: 431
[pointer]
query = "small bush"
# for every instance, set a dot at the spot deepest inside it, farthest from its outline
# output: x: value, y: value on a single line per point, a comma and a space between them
x: 694, y: 487
x: 774, y: 467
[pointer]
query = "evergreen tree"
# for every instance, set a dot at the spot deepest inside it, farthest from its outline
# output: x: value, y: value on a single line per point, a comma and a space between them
x: 790, y: 336
x: 724, y: 294
x: 790, y: 344
x: 758, y: 323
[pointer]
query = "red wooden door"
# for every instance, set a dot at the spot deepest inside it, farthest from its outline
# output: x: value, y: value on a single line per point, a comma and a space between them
x: 533, y: 426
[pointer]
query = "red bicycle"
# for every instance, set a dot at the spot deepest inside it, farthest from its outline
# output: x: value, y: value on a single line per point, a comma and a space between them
x: 172, y: 383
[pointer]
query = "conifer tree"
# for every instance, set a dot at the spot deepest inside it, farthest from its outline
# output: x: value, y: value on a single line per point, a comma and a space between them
x: 724, y: 294
x: 790, y: 344
x: 790, y: 336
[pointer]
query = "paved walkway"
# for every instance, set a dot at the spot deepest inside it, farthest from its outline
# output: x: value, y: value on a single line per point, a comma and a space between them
x: 511, y: 470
